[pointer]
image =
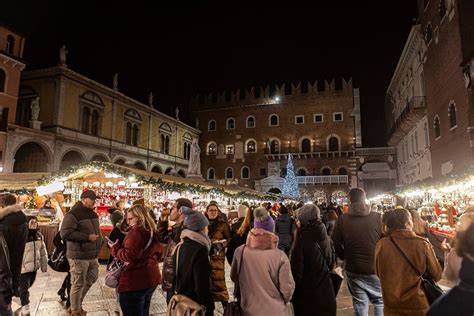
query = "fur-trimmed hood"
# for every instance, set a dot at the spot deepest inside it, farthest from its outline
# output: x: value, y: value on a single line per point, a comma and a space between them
x: 11, y: 209
x: 359, y: 209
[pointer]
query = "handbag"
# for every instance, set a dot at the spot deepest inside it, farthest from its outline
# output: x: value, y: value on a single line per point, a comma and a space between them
x: 428, y: 285
x: 233, y: 308
x: 336, y: 277
x: 58, y: 261
x: 180, y: 304
x: 114, y: 269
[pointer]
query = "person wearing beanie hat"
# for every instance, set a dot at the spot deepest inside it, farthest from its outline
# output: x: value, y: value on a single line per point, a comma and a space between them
x: 191, y: 256
x: 314, y: 289
x: 170, y: 234
x: 263, y: 220
x: 219, y: 233
x: 237, y: 239
x: 265, y: 279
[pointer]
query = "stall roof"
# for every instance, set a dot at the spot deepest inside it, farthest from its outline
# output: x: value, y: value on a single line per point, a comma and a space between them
x: 20, y: 181
x: 93, y: 167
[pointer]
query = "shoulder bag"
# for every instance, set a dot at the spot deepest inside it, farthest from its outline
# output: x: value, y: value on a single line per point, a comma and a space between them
x: 180, y: 304
x: 233, y: 308
x: 114, y: 269
x: 429, y: 286
x: 335, y: 274
x: 58, y: 261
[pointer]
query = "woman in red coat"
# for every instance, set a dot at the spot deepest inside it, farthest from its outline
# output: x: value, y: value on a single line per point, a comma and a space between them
x: 140, y: 251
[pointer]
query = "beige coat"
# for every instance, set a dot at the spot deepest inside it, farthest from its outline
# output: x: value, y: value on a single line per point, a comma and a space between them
x: 401, y: 286
x: 35, y: 257
x: 265, y: 277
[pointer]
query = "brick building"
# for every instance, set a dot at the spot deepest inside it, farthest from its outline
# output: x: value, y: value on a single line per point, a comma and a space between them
x: 448, y: 30
x: 247, y: 135
x: 11, y: 65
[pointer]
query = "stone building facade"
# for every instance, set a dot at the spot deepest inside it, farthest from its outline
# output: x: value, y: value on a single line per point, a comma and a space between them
x: 448, y: 30
x: 248, y: 134
x: 11, y: 65
x: 82, y: 120
x: 406, y: 110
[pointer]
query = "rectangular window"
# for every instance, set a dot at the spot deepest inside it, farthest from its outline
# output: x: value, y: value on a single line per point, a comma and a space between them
x: 263, y: 172
x: 337, y: 117
x: 318, y: 118
x: 229, y: 149
x: 299, y: 119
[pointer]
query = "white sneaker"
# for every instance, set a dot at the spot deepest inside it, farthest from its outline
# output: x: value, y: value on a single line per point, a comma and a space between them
x: 25, y: 310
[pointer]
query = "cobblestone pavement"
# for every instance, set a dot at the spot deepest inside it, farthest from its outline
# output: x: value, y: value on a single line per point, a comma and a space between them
x: 101, y: 299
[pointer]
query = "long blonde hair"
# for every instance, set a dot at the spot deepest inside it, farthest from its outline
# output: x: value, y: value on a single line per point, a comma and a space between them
x: 144, y: 218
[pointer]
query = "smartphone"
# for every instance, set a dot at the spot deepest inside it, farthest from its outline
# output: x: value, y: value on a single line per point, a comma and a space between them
x: 108, y: 239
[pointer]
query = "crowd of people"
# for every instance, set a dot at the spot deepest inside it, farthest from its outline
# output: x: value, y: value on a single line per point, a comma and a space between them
x: 282, y: 257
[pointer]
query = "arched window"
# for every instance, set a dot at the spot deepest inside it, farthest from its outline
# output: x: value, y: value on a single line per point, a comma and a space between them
x: 211, y: 174
x: 274, y: 147
x: 250, y: 122
x: 165, y: 134
x: 245, y: 173
x: 452, y: 115
x: 2, y: 80
x: 128, y: 134
x: 86, y: 113
x: 437, y: 129
x: 229, y: 173
x: 306, y: 145
x: 136, y: 131
x: 212, y: 148
x: 10, y: 49
x: 333, y: 144
x: 95, y: 123
x: 251, y: 146
x: 342, y: 171
x: 167, y: 144
x: 326, y: 171
x: 162, y: 143
x: 301, y: 172
x: 212, y: 125
x: 187, y: 150
x: 230, y: 124
x: 273, y: 121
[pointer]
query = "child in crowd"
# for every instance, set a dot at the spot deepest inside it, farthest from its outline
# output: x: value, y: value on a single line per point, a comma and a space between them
x: 34, y: 258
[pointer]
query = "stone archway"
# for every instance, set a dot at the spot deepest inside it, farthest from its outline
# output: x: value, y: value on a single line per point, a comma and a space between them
x: 339, y: 197
x: 156, y: 169
x: 120, y: 162
x: 169, y: 171
x: 30, y: 157
x: 181, y: 173
x: 71, y: 158
x: 275, y: 190
x: 99, y: 157
x: 139, y: 165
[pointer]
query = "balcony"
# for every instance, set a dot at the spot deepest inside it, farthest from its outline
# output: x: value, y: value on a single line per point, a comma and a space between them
x: 376, y: 151
x: 315, y: 154
x: 316, y: 180
x: 411, y: 114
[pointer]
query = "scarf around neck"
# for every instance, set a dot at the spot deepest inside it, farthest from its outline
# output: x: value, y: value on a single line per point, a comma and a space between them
x: 197, y: 237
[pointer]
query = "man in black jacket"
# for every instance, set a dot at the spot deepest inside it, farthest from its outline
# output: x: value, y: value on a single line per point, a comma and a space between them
x: 354, y: 237
x: 80, y: 229
x: 171, y: 236
x: 14, y: 227
x: 6, y: 289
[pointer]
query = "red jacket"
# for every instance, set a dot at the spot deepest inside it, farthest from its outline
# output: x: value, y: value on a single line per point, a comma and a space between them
x: 142, y: 271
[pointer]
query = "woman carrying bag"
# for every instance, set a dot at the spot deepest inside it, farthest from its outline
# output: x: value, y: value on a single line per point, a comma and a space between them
x: 396, y: 258
x: 140, y: 251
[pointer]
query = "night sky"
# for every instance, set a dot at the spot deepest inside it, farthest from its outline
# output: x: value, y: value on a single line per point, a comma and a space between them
x: 179, y: 50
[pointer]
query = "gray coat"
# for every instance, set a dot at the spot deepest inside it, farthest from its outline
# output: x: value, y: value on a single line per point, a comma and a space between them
x: 77, y: 225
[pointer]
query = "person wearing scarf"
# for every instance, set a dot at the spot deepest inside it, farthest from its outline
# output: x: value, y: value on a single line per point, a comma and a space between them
x: 193, y: 275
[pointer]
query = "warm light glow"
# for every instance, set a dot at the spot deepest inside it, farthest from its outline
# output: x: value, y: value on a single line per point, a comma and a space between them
x: 50, y: 188
x: 277, y: 99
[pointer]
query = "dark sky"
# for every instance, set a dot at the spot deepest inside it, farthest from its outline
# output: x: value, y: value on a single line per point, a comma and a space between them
x: 179, y: 50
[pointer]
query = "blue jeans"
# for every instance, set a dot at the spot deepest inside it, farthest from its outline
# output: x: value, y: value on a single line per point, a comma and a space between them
x: 365, y: 288
x: 136, y: 303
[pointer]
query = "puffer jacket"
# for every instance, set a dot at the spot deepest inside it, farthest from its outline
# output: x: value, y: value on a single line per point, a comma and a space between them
x: 35, y: 256
x: 6, y: 290
x: 218, y: 230
x: 355, y: 236
x: 76, y: 227
x: 13, y: 225
x: 172, y: 238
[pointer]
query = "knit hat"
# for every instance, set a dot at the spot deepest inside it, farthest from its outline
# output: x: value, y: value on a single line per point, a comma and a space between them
x: 263, y: 220
x: 194, y: 220
x: 308, y: 212
x: 242, y: 210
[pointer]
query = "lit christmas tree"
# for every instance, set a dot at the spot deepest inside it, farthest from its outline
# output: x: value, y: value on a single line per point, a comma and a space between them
x: 290, y: 185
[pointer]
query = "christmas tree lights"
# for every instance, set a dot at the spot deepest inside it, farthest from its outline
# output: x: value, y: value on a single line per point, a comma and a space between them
x: 290, y: 185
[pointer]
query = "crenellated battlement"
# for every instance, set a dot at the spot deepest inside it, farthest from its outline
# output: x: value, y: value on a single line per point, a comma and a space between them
x: 268, y: 94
